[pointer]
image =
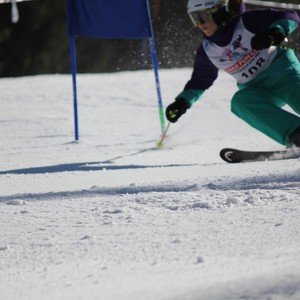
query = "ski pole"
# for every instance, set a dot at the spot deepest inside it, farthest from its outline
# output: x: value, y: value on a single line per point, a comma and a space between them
x: 163, y: 136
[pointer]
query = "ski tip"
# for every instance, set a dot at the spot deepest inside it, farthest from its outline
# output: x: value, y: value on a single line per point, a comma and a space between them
x: 226, y: 154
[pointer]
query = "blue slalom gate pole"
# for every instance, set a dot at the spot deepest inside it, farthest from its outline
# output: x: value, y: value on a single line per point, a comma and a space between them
x: 155, y: 68
x: 74, y: 71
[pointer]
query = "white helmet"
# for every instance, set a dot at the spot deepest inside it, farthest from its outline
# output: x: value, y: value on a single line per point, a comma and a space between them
x: 200, y: 11
x: 196, y: 5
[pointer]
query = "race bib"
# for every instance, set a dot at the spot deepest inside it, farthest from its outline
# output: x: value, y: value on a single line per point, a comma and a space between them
x: 238, y: 58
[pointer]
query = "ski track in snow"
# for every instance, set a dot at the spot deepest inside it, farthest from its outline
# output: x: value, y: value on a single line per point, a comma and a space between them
x: 112, y: 218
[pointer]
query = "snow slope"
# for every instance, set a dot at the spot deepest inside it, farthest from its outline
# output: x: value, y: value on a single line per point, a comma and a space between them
x: 112, y: 217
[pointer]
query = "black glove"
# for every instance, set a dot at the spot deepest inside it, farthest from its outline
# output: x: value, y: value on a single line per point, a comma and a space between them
x: 176, y: 109
x: 264, y: 40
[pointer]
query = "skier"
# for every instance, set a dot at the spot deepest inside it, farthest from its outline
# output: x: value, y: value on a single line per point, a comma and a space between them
x: 246, y: 45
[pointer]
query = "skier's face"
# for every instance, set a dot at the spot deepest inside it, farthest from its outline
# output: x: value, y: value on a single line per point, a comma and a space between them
x: 209, y: 28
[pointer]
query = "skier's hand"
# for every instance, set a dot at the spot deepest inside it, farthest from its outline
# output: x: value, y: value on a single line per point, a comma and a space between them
x: 264, y: 40
x: 176, y: 109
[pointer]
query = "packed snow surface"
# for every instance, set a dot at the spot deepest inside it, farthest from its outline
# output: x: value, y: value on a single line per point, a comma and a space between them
x: 111, y: 217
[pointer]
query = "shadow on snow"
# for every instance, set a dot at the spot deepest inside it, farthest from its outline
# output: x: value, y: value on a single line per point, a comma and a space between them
x: 84, y: 166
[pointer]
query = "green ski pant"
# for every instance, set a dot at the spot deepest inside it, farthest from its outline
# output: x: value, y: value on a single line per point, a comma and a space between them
x: 260, y: 102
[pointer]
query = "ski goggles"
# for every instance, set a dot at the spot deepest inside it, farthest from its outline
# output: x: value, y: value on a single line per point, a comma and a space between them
x: 201, y: 16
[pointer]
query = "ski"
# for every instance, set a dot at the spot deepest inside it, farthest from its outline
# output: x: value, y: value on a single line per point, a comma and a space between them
x: 231, y: 155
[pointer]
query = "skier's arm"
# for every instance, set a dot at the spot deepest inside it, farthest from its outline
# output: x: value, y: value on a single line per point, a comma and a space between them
x: 270, y: 26
x: 258, y: 21
x: 203, y: 76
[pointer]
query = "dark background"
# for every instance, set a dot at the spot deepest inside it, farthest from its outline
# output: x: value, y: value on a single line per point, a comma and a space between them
x: 38, y: 43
